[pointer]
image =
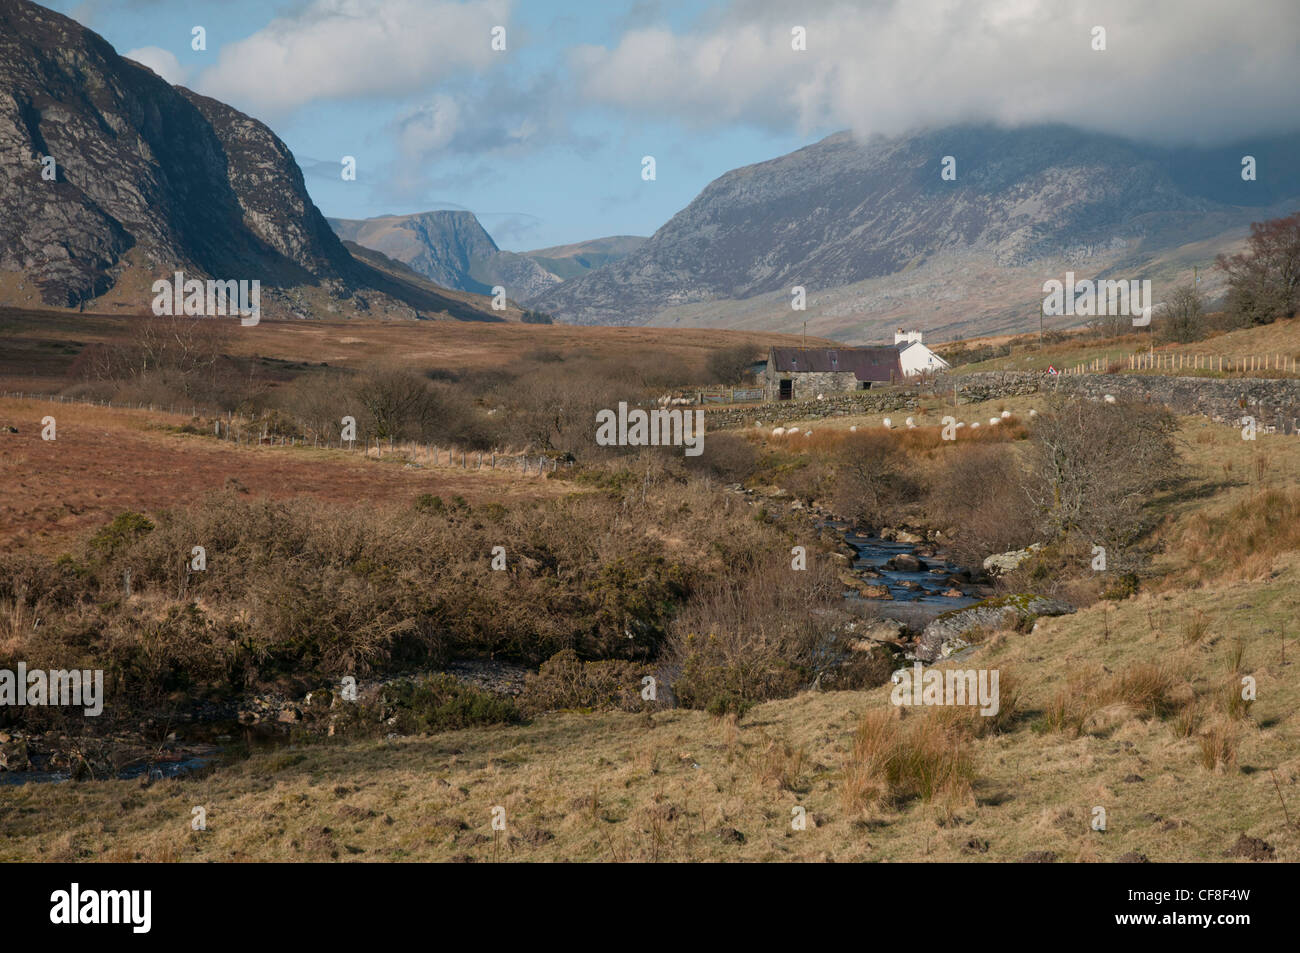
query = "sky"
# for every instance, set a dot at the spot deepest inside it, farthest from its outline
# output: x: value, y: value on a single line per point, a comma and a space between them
x: 545, y: 139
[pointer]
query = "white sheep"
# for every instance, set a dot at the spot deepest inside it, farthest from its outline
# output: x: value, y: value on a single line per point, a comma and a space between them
x: 994, y: 421
x: 1006, y: 414
x: 888, y: 424
x: 1033, y: 413
x: 1109, y: 398
x: 778, y: 431
x: 792, y: 431
x: 807, y: 433
x: 911, y: 423
x: 975, y: 426
x: 960, y: 423
x: 853, y: 428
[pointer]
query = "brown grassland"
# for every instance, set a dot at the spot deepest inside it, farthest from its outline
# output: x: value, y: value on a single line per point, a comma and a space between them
x: 1130, y: 705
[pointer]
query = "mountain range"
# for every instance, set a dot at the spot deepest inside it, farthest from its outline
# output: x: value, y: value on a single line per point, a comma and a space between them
x: 110, y: 177
x: 453, y: 249
x: 877, y: 236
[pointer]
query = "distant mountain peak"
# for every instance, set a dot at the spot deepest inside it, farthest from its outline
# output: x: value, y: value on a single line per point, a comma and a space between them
x: 453, y: 249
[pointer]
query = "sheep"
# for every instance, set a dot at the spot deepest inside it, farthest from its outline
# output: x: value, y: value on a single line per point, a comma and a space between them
x: 807, y: 433
x: 778, y: 431
x: 853, y: 428
x: 888, y: 424
x: 960, y: 423
x: 1006, y: 415
x: 1109, y: 398
x: 975, y: 426
x: 790, y: 432
x: 994, y: 421
x: 911, y: 423
x: 1033, y: 413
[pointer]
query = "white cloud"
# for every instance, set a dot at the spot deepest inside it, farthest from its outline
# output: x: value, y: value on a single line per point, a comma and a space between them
x: 1173, y: 69
x: 346, y: 49
x: 163, y: 62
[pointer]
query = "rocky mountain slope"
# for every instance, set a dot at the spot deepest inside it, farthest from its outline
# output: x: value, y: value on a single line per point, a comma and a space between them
x: 450, y: 248
x: 839, y: 213
x: 150, y: 178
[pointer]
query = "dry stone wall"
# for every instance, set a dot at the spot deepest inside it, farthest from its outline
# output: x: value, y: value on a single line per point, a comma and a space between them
x: 1273, y: 402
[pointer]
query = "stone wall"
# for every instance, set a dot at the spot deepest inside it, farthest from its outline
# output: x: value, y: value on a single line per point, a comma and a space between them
x: 778, y: 413
x: 1273, y: 402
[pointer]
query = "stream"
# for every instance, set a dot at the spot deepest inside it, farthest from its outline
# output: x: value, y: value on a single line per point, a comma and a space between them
x: 916, y: 596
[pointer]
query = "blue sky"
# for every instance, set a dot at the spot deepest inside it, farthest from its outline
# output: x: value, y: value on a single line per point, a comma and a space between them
x: 578, y: 180
x: 544, y: 140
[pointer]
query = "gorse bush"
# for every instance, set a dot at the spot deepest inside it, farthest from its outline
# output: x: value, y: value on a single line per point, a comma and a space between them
x: 306, y: 590
x: 766, y: 633
x: 565, y: 681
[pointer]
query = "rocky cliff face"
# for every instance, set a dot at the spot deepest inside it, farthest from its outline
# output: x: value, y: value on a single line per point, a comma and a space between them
x: 450, y: 248
x: 156, y: 177
x: 840, y: 212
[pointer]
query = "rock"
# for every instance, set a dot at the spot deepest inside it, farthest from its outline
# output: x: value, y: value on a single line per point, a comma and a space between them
x: 1006, y: 562
x: 875, y: 592
x: 953, y: 593
x: 905, y: 562
x: 288, y: 715
x: 905, y: 537
x: 990, y: 614
x: 880, y: 630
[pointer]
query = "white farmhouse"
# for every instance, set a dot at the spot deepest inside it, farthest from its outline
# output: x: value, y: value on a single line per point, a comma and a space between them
x: 914, y: 356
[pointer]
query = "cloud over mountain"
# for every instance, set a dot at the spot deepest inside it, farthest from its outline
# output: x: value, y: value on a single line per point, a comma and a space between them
x: 1171, y: 70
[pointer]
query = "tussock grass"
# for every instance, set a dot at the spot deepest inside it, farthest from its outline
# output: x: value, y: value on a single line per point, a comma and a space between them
x: 1243, y: 540
x: 895, y: 759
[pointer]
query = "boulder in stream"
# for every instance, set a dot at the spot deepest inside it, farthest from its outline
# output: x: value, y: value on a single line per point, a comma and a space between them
x: 944, y: 634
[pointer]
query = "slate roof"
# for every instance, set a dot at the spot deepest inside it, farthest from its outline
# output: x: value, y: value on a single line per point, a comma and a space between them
x: 866, y: 363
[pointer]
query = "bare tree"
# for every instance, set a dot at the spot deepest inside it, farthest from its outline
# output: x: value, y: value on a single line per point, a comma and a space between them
x: 1094, y: 469
x: 1264, y: 280
x: 1183, y: 317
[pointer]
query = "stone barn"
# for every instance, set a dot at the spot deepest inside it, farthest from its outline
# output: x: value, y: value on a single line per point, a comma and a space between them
x: 801, y: 373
